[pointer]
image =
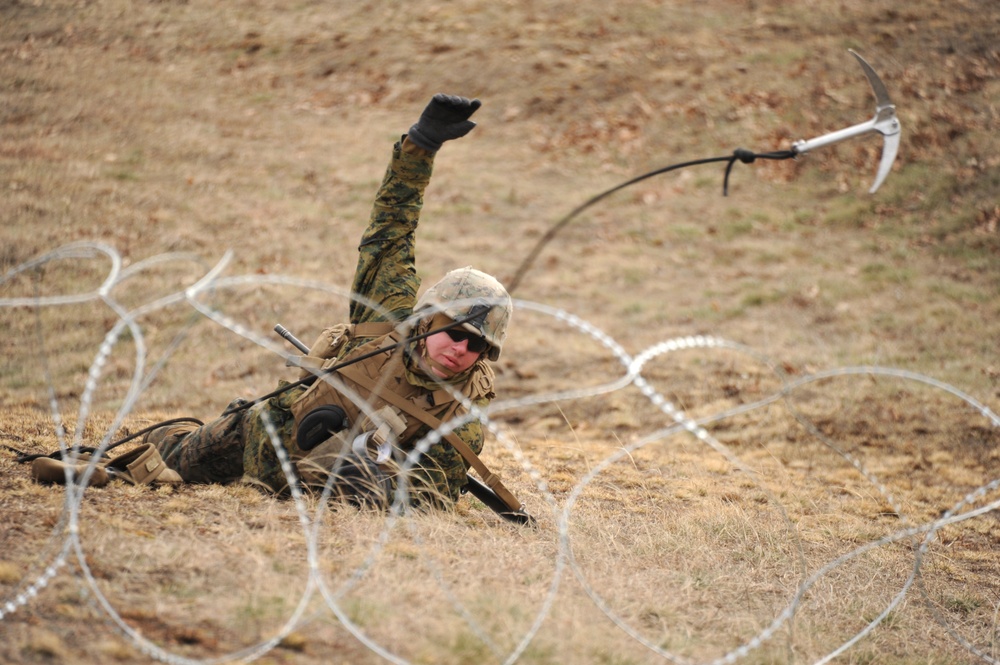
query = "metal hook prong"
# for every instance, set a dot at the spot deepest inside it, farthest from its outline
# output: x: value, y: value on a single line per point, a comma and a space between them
x: 885, y: 123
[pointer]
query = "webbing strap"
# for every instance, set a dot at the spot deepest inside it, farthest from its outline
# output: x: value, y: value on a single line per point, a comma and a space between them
x: 491, y: 479
x: 373, y: 329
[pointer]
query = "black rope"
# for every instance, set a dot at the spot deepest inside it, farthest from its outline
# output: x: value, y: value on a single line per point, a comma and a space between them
x: 740, y: 154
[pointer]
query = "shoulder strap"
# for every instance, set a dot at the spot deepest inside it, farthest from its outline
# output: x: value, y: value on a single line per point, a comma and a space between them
x: 373, y: 329
x: 491, y: 479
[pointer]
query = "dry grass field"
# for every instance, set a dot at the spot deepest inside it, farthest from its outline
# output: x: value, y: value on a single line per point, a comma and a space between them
x: 801, y: 472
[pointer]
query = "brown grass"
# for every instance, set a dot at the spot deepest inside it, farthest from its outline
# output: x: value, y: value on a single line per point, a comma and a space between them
x: 263, y: 128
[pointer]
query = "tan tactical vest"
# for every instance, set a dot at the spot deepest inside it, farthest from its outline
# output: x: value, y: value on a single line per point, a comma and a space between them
x: 380, y: 380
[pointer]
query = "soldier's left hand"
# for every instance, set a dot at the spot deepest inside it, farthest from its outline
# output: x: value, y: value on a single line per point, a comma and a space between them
x: 446, y: 117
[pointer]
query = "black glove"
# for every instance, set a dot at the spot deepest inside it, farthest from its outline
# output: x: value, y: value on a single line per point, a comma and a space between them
x: 446, y: 117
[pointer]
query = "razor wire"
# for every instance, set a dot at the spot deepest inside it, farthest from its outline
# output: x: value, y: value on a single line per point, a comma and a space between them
x: 315, y: 581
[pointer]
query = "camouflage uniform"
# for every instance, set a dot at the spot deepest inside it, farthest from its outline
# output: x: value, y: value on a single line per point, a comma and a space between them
x: 238, y: 445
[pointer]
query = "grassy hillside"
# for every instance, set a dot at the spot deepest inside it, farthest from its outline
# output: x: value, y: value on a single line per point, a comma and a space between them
x: 171, y: 138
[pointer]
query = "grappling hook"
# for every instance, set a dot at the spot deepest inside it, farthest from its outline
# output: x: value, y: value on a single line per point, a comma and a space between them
x: 885, y: 123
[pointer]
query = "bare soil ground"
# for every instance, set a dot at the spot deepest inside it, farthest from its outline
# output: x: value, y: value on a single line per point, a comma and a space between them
x: 792, y: 523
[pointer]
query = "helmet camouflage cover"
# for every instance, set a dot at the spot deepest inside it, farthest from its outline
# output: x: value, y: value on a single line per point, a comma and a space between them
x: 460, y: 292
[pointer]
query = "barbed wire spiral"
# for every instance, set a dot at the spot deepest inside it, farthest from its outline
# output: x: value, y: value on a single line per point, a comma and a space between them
x: 65, y: 545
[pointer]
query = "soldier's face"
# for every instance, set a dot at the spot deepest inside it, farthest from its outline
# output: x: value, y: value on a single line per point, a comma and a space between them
x: 450, y: 356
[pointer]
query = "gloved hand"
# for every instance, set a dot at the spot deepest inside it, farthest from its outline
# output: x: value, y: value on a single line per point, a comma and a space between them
x: 446, y: 117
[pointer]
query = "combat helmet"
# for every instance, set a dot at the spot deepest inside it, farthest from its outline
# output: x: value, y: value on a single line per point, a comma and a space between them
x: 460, y: 292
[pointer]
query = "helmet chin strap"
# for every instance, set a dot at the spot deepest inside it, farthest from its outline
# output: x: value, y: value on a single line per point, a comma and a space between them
x: 425, y: 361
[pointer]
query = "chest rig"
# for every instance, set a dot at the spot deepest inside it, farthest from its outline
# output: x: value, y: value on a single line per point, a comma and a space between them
x: 381, y: 380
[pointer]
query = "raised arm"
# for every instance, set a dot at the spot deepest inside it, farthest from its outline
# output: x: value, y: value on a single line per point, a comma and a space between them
x: 386, y: 272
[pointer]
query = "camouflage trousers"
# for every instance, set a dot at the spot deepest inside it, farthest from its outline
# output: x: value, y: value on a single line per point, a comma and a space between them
x: 212, y: 453
x: 232, y: 446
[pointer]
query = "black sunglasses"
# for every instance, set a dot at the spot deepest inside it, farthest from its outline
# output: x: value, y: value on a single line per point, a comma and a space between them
x: 476, y: 344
